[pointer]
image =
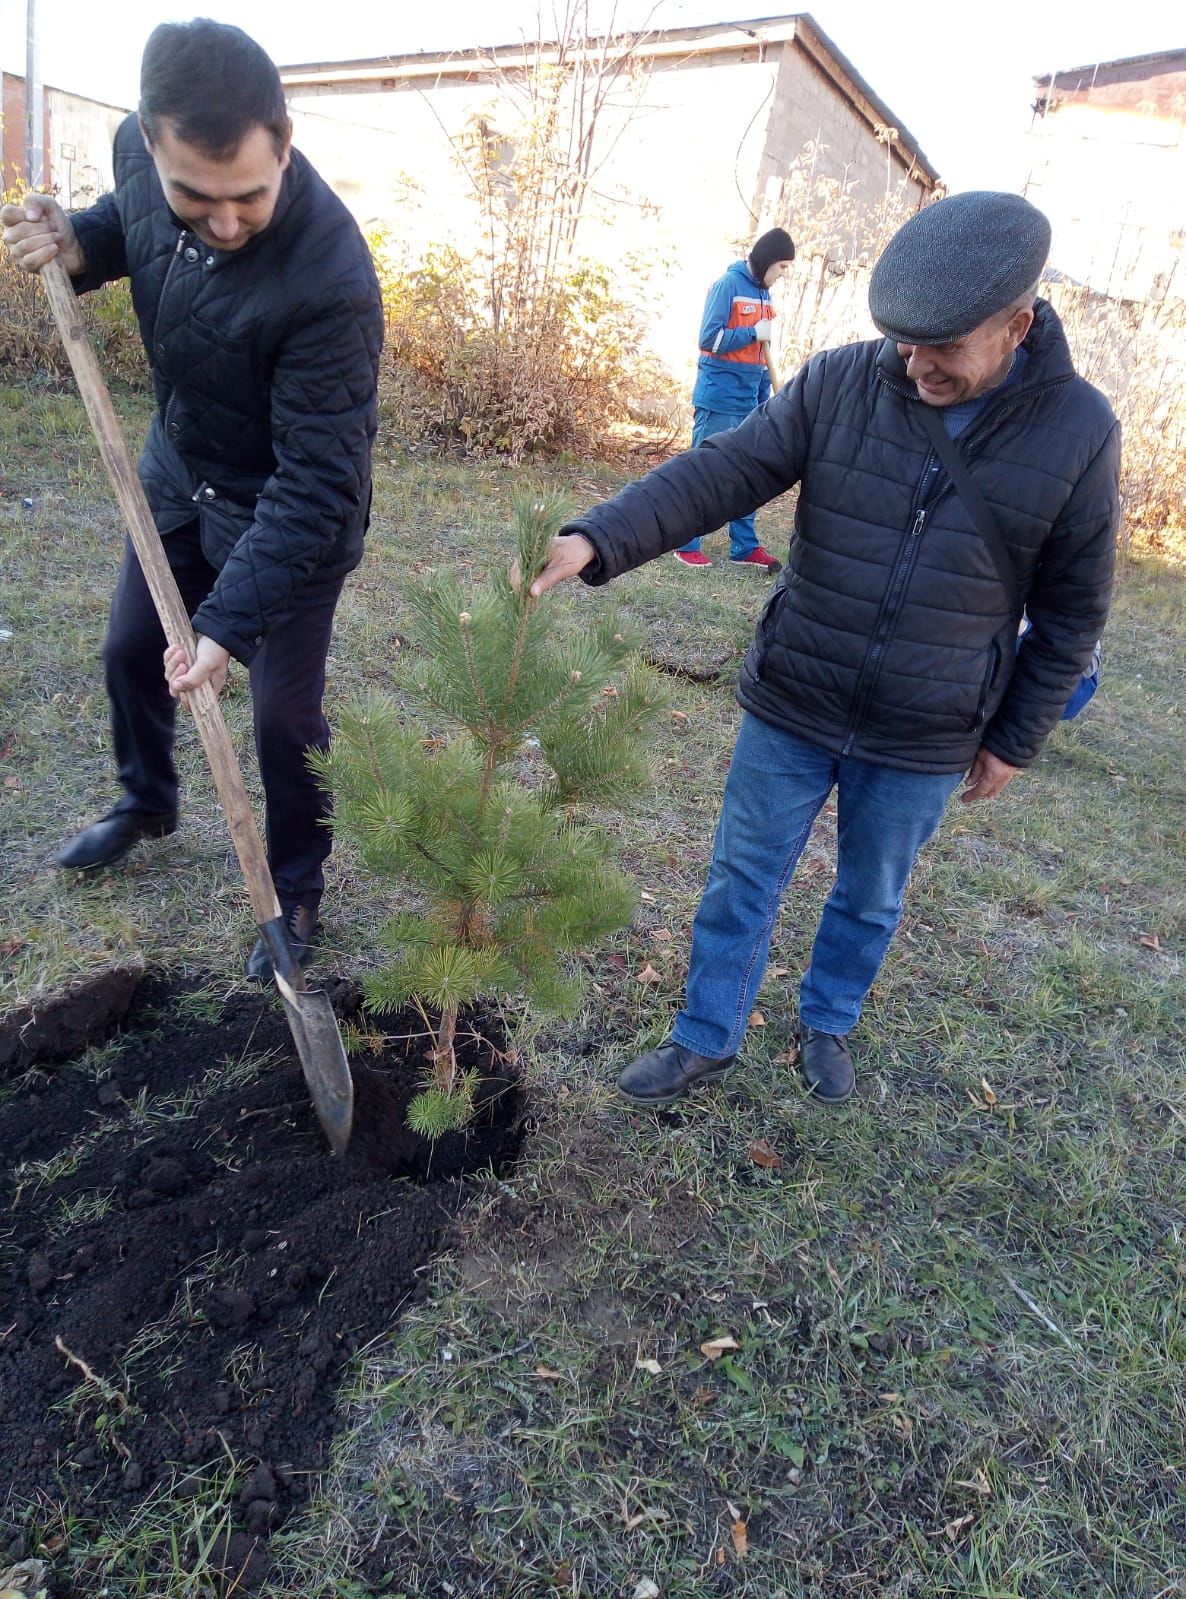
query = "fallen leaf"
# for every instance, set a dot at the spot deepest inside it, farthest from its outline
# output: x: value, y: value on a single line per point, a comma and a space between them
x: 777, y: 971
x: 763, y: 1153
x: 652, y: 1366
x: 24, y: 1581
x: 649, y: 1513
x: 646, y: 896
x: 788, y: 1057
x: 679, y: 716
x: 12, y: 782
x: 714, y: 1348
x: 662, y: 935
x: 904, y: 1425
x: 648, y: 975
x: 647, y: 1589
x: 756, y: 1019
x: 960, y: 1524
x: 990, y: 1097
x: 1149, y: 940
x: 617, y: 962
x: 548, y: 1372
x: 979, y: 1484
x: 740, y: 1540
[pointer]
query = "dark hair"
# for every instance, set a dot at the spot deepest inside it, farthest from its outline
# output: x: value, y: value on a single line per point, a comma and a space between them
x: 213, y: 84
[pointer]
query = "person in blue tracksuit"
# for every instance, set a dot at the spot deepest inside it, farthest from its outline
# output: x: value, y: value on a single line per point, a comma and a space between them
x: 732, y: 377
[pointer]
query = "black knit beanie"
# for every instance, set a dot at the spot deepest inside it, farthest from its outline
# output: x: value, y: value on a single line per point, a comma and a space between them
x: 777, y: 245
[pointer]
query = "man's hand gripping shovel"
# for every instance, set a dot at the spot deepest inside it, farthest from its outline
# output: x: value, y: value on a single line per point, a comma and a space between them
x: 310, y: 1015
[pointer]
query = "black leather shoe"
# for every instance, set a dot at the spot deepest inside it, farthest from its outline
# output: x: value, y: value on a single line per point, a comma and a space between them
x: 826, y: 1065
x: 302, y: 923
x: 109, y: 840
x: 666, y: 1074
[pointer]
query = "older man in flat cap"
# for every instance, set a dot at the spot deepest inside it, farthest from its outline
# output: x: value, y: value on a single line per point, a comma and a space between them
x: 884, y: 663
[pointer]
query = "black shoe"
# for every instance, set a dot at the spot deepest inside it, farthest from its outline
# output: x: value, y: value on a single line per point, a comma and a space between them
x: 109, y: 840
x: 666, y: 1074
x: 302, y: 923
x: 826, y: 1065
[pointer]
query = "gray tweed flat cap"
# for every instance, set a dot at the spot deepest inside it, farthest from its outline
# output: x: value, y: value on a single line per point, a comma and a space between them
x: 955, y: 264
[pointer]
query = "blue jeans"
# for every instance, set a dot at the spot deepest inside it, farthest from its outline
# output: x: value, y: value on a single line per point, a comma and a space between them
x: 742, y: 536
x: 776, y: 788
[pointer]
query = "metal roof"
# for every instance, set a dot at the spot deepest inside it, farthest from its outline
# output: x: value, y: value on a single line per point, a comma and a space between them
x: 377, y: 73
x: 1118, y: 70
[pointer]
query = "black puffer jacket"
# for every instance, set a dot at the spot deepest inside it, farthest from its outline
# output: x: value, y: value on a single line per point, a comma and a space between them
x: 889, y: 635
x: 264, y: 364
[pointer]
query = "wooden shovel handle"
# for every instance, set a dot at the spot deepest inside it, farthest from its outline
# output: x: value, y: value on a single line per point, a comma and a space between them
x: 203, y: 702
x: 775, y: 385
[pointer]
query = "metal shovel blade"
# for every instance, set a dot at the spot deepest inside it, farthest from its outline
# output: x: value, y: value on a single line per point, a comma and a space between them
x: 323, y: 1061
x: 314, y: 1029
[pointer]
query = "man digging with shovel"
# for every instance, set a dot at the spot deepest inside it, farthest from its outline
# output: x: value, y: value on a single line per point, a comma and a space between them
x: 262, y: 323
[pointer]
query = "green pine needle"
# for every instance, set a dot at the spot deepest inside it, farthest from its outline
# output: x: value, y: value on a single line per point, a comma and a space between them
x: 491, y: 835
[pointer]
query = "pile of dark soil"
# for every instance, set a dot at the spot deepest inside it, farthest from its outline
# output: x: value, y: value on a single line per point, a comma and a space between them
x: 184, y: 1268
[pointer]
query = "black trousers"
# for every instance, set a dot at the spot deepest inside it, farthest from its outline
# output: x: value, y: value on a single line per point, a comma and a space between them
x: 287, y: 687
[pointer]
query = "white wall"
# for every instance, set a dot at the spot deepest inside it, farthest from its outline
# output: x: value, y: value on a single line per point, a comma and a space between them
x: 1113, y: 183
x: 681, y: 155
x: 80, y: 137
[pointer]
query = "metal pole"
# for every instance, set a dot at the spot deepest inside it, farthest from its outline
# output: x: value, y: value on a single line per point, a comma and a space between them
x: 34, y: 105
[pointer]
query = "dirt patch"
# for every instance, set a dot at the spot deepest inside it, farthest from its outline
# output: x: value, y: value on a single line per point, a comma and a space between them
x: 185, y: 1270
x: 63, y: 1023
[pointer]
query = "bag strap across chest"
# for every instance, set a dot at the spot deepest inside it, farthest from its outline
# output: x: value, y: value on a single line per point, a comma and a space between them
x: 977, y: 506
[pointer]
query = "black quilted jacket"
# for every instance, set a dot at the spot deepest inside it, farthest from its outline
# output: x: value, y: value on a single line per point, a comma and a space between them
x: 889, y: 635
x: 264, y: 365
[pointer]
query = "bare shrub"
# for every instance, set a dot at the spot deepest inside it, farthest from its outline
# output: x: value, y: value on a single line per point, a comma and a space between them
x: 523, y: 345
x: 1135, y: 350
x: 29, y: 344
x: 838, y: 236
x: 453, y: 376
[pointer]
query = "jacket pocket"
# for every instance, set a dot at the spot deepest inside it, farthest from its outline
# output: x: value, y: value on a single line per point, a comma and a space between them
x: 221, y: 524
x: 767, y: 628
x: 986, y: 686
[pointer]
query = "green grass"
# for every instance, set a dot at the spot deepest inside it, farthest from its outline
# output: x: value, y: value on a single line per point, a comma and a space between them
x: 960, y: 1301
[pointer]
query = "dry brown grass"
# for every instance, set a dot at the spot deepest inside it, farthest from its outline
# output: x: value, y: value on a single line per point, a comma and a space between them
x: 1135, y: 350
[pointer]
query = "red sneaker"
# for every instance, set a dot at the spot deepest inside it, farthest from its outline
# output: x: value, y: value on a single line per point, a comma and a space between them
x: 692, y: 558
x: 758, y: 557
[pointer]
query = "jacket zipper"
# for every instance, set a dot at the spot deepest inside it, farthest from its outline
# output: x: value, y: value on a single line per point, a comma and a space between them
x: 994, y: 662
x: 159, y: 305
x: 869, y: 671
x: 872, y: 664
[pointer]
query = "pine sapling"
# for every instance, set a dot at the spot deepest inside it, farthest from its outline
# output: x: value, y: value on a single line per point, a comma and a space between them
x: 487, y: 820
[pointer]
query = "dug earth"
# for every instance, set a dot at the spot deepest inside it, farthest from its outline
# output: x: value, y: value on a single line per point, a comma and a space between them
x: 186, y: 1271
